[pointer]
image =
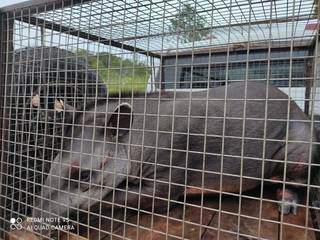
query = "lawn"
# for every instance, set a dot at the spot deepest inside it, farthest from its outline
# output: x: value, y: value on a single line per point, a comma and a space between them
x: 119, y: 74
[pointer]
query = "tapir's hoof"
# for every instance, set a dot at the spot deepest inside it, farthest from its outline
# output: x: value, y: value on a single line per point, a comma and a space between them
x: 288, y: 207
x: 289, y: 201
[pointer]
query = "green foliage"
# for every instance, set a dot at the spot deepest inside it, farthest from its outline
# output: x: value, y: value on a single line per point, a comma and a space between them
x: 189, y: 24
x: 119, y: 74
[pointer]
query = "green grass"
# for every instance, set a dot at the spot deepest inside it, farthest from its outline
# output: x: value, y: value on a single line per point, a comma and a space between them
x: 119, y: 74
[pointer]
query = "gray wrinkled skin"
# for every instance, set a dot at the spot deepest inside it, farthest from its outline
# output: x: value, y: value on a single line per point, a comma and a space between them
x: 149, y: 149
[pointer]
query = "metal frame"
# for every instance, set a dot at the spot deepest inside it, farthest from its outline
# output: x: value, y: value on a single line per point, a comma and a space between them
x: 38, y: 6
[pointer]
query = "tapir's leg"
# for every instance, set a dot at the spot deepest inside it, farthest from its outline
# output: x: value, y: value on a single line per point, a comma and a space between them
x: 296, y: 156
x: 289, y: 200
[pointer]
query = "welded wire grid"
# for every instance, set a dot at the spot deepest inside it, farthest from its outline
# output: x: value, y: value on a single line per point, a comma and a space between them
x: 63, y: 54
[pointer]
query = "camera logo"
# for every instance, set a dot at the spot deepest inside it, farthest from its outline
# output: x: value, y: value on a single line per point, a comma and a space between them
x: 16, y: 223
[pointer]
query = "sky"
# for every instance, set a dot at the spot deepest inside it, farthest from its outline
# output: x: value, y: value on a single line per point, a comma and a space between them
x: 9, y: 2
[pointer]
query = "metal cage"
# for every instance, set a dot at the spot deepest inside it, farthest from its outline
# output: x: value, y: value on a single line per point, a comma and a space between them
x: 162, y: 119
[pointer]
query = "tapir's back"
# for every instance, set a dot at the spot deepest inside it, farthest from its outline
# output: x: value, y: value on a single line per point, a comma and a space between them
x: 235, y: 95
x: 252, y: 93
x: 175, y: 112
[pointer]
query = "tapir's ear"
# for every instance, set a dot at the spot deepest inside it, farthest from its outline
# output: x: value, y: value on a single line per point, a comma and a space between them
x: 121, y: 119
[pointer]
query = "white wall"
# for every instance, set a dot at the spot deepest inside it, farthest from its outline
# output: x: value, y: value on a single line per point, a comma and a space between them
x: 316, y: 100
x: 297, y: 94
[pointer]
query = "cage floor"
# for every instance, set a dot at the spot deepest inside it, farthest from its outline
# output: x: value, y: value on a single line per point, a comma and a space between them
x: 202, y: 223
x: 292, y: 227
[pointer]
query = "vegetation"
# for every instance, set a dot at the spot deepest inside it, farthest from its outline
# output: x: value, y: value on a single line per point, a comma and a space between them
x: 119, y: 74
x: 189, y: 24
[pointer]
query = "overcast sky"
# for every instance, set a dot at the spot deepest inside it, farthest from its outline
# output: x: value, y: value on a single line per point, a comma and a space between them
x: 9, y: 2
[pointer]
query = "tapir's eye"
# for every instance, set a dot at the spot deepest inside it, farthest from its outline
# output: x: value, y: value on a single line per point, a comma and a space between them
x: 85, y: 176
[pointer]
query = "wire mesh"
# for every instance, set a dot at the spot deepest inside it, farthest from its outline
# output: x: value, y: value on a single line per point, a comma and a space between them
x: 160, y: 120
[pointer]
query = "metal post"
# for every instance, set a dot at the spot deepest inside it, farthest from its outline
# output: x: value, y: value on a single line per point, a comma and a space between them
x: 6, y: 44
x: 42, y: 29
x: 308, y: 85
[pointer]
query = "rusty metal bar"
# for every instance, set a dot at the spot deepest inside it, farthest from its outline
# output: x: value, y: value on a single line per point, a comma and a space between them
x: 38, y: 6
x: 6, y: 44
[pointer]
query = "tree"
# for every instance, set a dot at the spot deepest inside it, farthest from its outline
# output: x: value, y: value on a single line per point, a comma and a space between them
x: 189, y: 24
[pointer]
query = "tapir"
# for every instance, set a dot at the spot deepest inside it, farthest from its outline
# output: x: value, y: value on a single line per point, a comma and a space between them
x: 142, y: 151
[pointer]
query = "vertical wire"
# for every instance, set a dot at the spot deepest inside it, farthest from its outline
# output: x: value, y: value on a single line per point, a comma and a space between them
x: 288, y: 122
x: 46, y: 106
x: 170, y: 157
x: 86, y: 97
x: 224, y: 124
x: 151, y: 62
x: 107, y: 111
x: 41, y: 81
x: 244, y: 120
x: 78, y: 122
x: 311, y: 140
x: 97, y: 93
x: 93, y: 125
x: 48, y: 83
x: 22, y: 130
x: 19, y: 130
x: 30, y: 60
x: 119, y: 101
x: 161, y: 77
x: 265, y: 123
x: 15, y: 163
x: 206, y: 129
x: 102, y: 232
x: 43, y: 157
x: 54, y: 95
x: 67, y: 112
x: 143, y: 126
x: 107, y: 102
x: 175, y: 83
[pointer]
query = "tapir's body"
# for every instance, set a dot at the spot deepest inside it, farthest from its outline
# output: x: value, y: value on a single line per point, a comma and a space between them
x: 178, y: 140
x: 197, y: 136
